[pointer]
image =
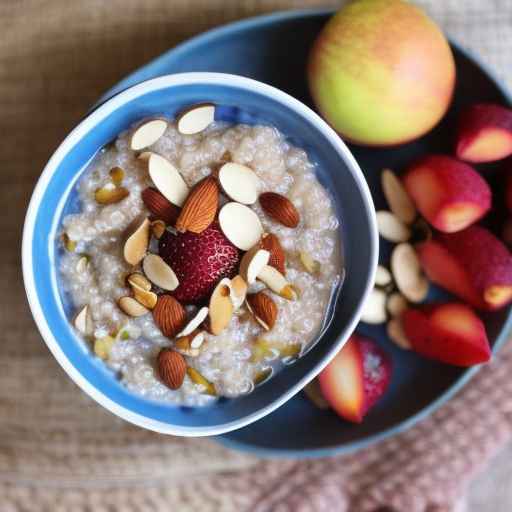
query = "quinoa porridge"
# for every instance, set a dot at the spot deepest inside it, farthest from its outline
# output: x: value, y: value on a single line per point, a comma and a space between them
x: 135, y: 295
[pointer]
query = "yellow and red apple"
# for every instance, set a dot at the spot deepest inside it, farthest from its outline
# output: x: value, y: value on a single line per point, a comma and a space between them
x: 381, y: 72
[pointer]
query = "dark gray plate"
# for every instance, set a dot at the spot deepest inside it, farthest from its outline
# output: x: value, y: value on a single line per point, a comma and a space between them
x: 273, y: 49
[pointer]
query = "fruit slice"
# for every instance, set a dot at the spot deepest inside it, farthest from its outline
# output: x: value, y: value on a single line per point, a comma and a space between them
x: 484, y: 133
x: 356, y: 378
x: 450, y: 332
x: 450, y: 194
x: 472, y: 264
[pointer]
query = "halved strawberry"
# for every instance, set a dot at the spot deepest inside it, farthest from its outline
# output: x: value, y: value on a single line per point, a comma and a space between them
x: 356, y: 378
x: 199, y: 261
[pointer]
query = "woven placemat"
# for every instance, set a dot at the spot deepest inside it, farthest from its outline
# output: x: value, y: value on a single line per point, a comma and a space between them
x: 59, y: 451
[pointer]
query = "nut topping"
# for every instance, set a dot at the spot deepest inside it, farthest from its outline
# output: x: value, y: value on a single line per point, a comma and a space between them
x: 160, y: 207
x: 169, y: 315
x: 221, y: 307
x: 110, y: 195
x: 195, y: 322
x: 137, y: 243
x: 239, y: 182
x: 167, y: 179
x: 132, y: 307
x: 195, y: 119
x: 263, y: 308
x: 147, y: 134
x: 280, y: 209
x: 172, y: 368
x: 277, y: 282
x: 252, y: 263
x: 271, y: 243
x: 200, y: 207
x: 241, y: 225
x: 159, y: 273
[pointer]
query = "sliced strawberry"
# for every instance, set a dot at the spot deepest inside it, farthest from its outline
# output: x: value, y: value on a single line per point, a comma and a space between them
x: 199, y: 261
x: 450, y: 332
x: 356, y: 378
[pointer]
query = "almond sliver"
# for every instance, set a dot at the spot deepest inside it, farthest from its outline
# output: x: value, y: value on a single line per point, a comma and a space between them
x: 159, y: 273
x: 408, y: 274
x: 167, y: 179
x: 239, y: 182
x: 147, y: 134
x: 196, y: 321
x: 252, y: 263
x: 196, y: 118
x: 241, y: 225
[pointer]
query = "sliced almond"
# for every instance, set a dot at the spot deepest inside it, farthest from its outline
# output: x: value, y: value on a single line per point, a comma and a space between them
x: 195, y: 119
x: 107, y: 195
x: 147, y: 134
x: 383, y: 276
x: 396, y: 333
x: 239, y: 182
x: 238, y: 291
x: 69, y: 245
x: 167, y: 179
x: 263, y: 308
x: 277, y: 282
x: 145, y: 297
x: 252, y: 263
x: 103, y: 346
x: 82, y: 264
x: 195, y: 322
x: 116, y: 175
x: 132, y: 307
x: 137, y: 243
x: 311, y: 265
x: 197, y: 378
x: 241, y: 225
x: 314, y: 393
x: 271, y: 243
x: 396, y: 304
x: 158, y: 228
x: 374, y: 309
x: 138, y: 280
x: 397, y: 197
x: 83, y: 321
x: 159, y: 273
x: 262, y: 376
x: 191, y: 344
x: 408, y: 274
x: 221, y: 308
x: 391, y: 227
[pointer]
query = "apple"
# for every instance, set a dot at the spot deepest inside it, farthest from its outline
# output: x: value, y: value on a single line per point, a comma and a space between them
x: 381, y: 72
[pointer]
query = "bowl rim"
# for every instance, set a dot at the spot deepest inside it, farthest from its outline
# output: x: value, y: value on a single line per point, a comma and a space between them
x: 73, y: 138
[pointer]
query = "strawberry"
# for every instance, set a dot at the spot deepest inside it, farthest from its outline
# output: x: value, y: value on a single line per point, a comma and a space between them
x: 356, y: 378
x: 199, y: 261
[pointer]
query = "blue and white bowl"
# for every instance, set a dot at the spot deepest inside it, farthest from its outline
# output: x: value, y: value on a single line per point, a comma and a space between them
x: 238, y: 100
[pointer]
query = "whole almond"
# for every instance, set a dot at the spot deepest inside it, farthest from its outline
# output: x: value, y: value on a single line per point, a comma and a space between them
x: 200, y: 207
x: 160, y: 207
x: 271, y: 243
x: 169, y: 315
x: 263, y: 308
x: 172, y: 368
x: 280, y: 208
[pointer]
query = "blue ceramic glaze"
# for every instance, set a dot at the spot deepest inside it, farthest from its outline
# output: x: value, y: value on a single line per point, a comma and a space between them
x: 261, y: 48
x: 239, y: 100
